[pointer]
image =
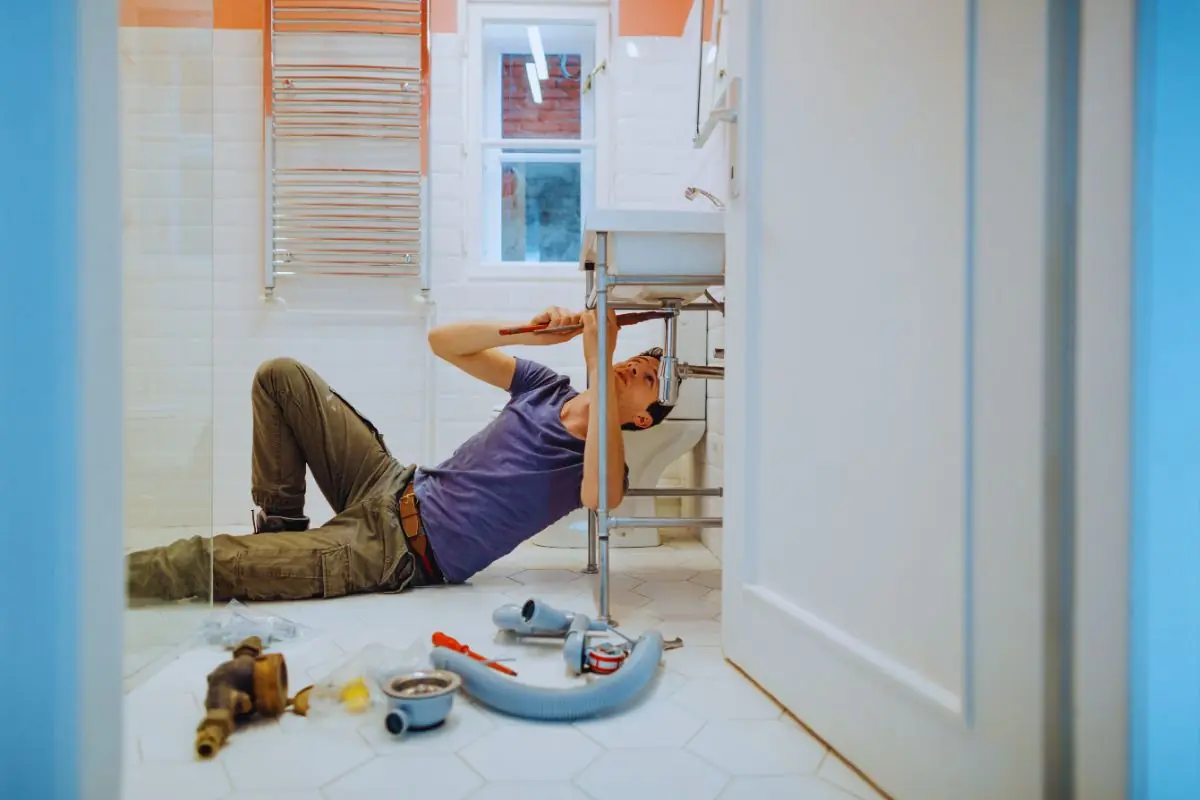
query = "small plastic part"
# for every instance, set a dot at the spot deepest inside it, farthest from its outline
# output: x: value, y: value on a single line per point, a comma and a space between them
x: 606, y: 658
x: 356, y: 685
x: 235, y: 623
x: 396, y: 723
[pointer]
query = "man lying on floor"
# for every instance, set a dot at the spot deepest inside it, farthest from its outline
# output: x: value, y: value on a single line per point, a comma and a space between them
x: 396, y: 527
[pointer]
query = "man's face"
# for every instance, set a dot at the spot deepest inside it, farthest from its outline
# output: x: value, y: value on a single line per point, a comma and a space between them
x: 637, y: 388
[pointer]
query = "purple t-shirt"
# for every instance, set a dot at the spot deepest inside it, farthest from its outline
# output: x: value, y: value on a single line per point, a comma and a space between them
x: 514, y: 478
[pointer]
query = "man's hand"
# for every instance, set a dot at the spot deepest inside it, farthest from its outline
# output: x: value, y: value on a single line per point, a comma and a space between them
x: 591, y: 331
x: 555, y: 317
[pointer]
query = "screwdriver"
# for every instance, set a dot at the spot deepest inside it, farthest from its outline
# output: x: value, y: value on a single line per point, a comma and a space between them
x: 442, y: 640
x: 622, y: 321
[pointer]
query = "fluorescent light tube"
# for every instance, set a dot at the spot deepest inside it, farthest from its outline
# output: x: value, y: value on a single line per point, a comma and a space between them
x: 535, y: 87
x: 539, y: 52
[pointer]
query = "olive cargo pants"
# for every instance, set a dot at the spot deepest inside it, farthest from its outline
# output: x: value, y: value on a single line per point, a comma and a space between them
x: 298, y: 421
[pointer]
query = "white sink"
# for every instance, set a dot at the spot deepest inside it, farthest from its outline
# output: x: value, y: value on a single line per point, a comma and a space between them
x: 642, y: 242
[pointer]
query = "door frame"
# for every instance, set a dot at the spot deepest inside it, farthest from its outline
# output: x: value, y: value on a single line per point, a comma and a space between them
x: 1100, y: 701
x: 1087, y: 342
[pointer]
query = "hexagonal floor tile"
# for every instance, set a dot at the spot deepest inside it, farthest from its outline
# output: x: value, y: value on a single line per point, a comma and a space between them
x: 546, y: 577
x: 650, y: 774
x: 493, y: 582
x: 306, y: 758
x: 465, y: 724
x: 671, y: 574
x: 782, y: 787
x: 758, y: 747
x: 441, y: 776
x: 681, y: 609
x: 164, y: 724
x: 711, y: 578
x: 566, y: 596
x: 696, y: 661
x: 726, y: 698
x: 529, y: 790
x: 307, y: 795
x: 653, y: 723
x: 672, y: 590
x: 196, y: 780
x: 698, y: 632
x: 626, y: 599
x: 502, y: 756
x: 834, y: 770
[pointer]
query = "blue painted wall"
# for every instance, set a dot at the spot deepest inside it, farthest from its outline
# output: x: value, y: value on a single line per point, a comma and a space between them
x: 39, y: 410
x: 1165, y: 590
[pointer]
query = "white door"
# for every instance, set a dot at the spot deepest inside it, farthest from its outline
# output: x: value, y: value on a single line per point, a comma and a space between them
x: 889, y: 496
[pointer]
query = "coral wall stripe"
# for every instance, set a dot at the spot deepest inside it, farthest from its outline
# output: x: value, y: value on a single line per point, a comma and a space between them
x: 238, y: 15
x: 661, y: 17
x: 264, y: 24
x: 443, y: 16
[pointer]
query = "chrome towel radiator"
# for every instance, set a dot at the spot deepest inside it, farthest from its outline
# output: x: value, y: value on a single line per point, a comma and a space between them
x: 347, y: 145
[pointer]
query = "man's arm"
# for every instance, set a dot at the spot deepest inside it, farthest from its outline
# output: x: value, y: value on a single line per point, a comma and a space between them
x: 610, y: 427
x: 473, y: 346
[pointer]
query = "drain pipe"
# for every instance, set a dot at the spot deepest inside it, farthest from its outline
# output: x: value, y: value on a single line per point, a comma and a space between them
x: 668, y: 365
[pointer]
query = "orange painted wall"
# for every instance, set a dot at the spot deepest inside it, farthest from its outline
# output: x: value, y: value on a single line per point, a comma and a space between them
x: 239, y: 14
x: 661, y: 17
x: 223, y: 14
x: 637, y: 17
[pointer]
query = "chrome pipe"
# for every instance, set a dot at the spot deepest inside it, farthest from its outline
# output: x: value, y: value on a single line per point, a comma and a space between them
x: 620, y: 305
x: 715, y: 491
x: 704, y: 371
x: 667, y: 280
x: 591, y: 569
x: 602, y: 401
x: 668, y: 382
x: 665, y: 522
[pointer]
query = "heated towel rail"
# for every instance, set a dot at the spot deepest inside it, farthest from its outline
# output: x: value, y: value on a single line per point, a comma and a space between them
x: 346, y: 145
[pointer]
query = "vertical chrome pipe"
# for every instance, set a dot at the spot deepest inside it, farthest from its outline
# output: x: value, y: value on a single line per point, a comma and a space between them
x: 589, y: 277
x: 602, y: 400
x: 591, y: 569
x: 668, y: 381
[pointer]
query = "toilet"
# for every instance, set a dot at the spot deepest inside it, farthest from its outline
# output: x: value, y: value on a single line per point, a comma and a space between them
x: 648, y: 453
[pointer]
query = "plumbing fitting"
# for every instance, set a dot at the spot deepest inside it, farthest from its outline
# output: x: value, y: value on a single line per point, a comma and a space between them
x: 535, y: 618
x: 672, y: 372
x: 627, y: 668
x: 668, y: 383
x: 251, y: 682
x: 422, y: 700
x: 704, y: 371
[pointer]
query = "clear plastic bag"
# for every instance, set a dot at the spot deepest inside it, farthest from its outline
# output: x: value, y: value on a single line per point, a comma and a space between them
x: 356, y: 684
x: 235, y: 622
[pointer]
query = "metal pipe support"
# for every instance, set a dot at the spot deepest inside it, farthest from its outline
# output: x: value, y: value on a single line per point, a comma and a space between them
x: 664, y: 522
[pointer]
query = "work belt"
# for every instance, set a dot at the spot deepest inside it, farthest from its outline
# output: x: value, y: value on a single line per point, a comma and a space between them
x: 414, y: 531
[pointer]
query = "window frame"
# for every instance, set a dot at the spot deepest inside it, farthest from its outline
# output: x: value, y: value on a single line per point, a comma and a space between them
x: 482, y: 107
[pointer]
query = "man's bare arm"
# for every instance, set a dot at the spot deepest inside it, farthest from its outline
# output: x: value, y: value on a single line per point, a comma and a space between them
x: 473, y: 347
x: 609, y: 428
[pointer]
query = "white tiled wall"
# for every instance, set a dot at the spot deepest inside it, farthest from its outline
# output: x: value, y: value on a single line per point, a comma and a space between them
x: 196, y: 325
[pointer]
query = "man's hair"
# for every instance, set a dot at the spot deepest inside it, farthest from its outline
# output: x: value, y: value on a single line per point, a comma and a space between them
x: 657, y: 411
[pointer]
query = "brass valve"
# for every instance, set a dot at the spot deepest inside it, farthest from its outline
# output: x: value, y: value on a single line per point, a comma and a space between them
x: 252, y: 682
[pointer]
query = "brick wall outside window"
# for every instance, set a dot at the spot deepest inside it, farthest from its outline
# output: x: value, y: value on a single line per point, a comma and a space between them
x: 557, y: 116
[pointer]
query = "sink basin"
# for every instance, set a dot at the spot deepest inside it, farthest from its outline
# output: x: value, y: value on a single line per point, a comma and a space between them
x: 642, y: 242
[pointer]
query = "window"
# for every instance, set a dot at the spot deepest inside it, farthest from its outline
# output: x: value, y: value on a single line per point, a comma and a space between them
x: 535, y: 132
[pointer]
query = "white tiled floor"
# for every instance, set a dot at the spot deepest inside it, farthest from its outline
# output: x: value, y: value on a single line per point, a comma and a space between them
x: 701, y: 732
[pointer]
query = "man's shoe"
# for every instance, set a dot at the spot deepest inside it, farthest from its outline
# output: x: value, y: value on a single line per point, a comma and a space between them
x: 271, y: 523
